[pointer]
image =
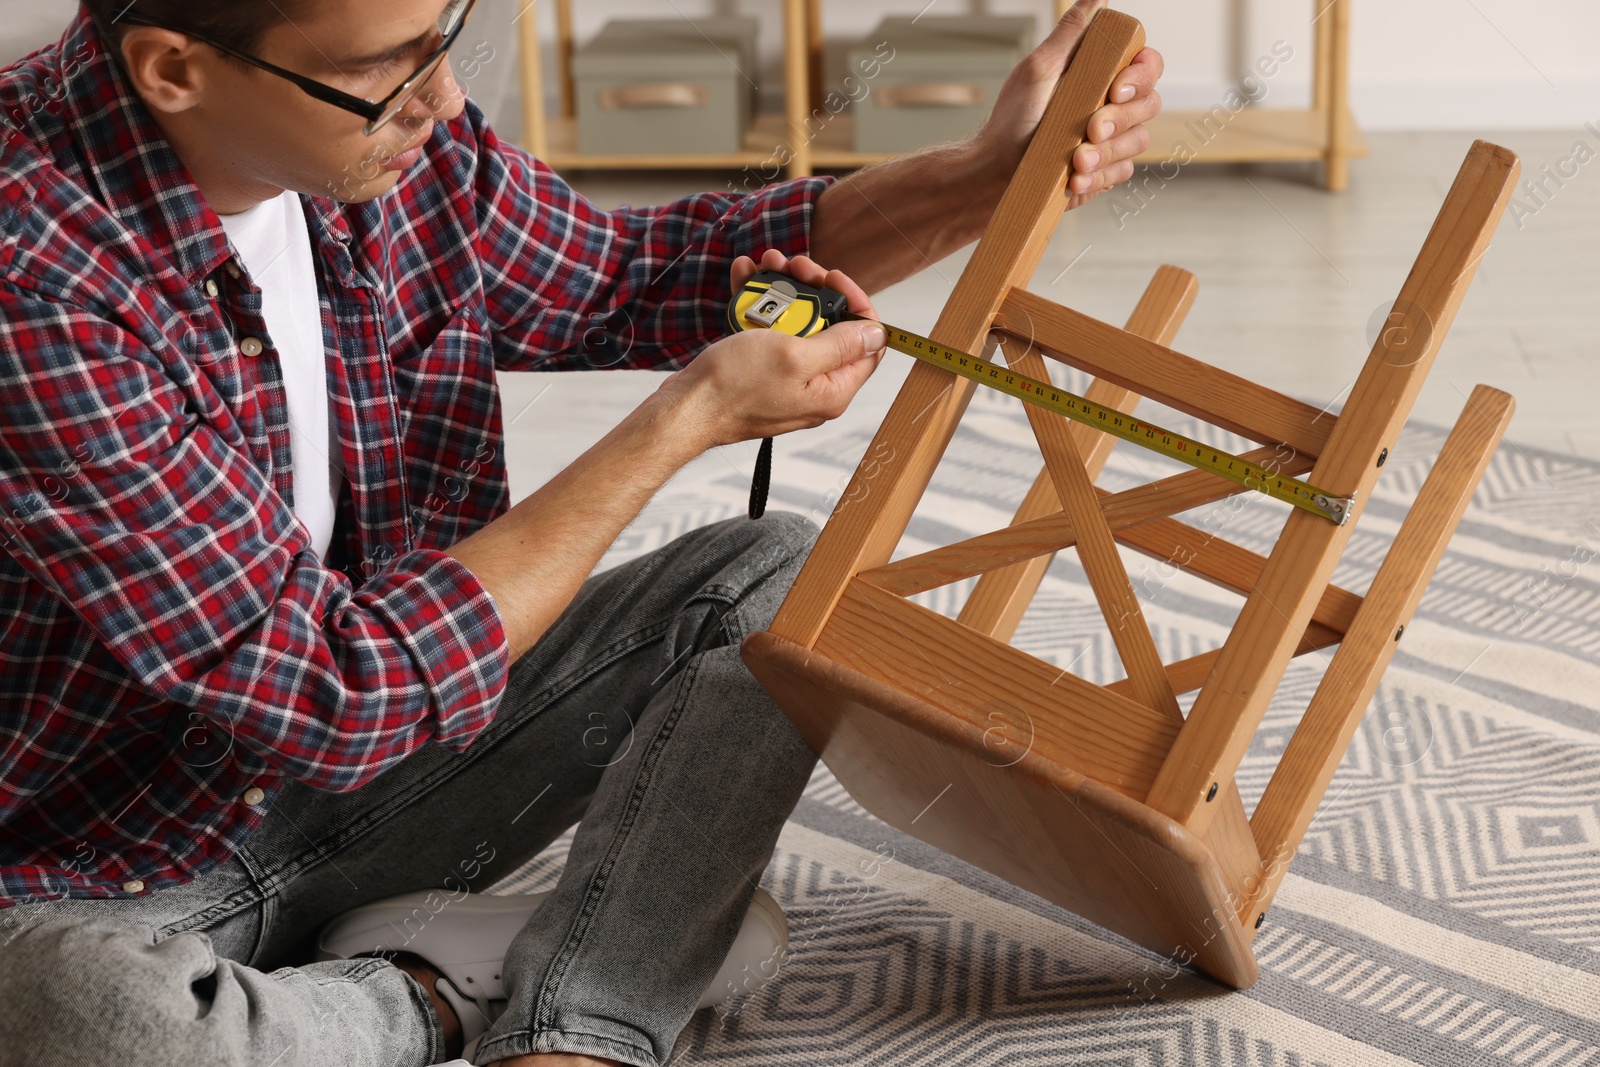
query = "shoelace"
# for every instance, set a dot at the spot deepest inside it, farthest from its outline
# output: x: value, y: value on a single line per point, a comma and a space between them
x: 488, y: 1007
x: 488, y: 1010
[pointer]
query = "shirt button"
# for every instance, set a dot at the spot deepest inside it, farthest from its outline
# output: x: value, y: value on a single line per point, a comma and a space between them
x: 233, y: 269
x: 134, y: 886
x: 250, y: 346
x: 211, y: 287
x: 254, y: 796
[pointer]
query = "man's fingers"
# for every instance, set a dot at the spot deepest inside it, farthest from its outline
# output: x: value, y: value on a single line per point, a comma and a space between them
x: 853, y: 340
x: 1138, y: 78
x: 1057, y: 48
x: 872, y: 339
x: 1149, y: 60
x: 745, y: 268
x: 1077, y: 18
x: 1126, y: 145
x: 1117, y: 132
x: 855, y: 297
x: 807, y: 270
x: 772, y: 259
x: 1086, y: 185
x: 1113, y: 119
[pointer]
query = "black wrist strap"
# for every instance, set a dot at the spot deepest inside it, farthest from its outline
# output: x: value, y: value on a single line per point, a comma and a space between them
x: 763, y: 475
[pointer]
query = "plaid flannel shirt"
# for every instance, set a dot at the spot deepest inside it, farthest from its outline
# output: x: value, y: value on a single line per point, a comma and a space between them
x: 170, y: 646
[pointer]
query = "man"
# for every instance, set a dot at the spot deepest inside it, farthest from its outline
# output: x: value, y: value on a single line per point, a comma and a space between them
x: 261, y: 262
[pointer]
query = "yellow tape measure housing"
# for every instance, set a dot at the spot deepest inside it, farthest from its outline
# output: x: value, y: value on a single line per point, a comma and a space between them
x: 773, y: 301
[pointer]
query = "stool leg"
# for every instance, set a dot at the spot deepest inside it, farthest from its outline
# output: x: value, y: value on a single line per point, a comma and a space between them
x: 1309, y: 760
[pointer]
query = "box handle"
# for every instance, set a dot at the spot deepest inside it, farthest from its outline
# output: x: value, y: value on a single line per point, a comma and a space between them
x: 660, y: 94
x: 931, y: 94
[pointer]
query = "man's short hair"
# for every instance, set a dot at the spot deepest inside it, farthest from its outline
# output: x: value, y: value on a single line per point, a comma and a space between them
x: 239, y: 24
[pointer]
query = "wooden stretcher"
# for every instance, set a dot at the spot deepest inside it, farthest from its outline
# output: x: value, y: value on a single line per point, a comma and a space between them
x: 1107, y: 799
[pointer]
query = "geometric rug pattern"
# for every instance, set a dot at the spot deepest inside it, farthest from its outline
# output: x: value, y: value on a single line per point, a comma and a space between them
x: 1444, y: 907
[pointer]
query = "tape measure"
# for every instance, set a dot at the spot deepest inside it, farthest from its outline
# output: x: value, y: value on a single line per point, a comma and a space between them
x: 770, y: 300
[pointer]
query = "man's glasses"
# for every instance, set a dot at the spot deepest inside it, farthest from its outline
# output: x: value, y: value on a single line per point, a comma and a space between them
x: 378, y: 114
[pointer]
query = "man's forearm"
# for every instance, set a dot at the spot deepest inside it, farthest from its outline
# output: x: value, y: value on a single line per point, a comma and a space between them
x: 534, y: 558
x: 888, y: 221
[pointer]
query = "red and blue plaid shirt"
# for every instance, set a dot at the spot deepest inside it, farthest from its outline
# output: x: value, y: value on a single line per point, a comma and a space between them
x: 169, y: 641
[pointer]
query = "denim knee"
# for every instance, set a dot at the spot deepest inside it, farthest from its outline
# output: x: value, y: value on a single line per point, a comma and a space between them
x: 101, y: 991
x: 97, y: 991
x: 788, y: 536
x: 776, y: 539
x: 752, y: 564
x: 790, y: 527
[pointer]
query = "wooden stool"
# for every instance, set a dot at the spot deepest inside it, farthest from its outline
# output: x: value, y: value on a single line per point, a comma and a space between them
x: 1107, y: 800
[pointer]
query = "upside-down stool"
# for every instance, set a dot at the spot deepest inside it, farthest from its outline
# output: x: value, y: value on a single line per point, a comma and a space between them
x: 1107, y: 799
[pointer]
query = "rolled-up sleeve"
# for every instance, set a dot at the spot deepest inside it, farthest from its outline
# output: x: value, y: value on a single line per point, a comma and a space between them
x: 172, y: 546
x: 571, y: 287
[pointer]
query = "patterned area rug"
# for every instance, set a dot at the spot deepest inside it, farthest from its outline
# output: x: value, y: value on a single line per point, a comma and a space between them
x: 1444, y: 907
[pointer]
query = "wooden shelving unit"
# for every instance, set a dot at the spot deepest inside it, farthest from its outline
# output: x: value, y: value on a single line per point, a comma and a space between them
x: 1325, y: 132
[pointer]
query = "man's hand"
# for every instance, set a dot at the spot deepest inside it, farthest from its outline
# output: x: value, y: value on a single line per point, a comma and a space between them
x: 761, y: 383
x: 1116, y: 131
x: 756, y: 383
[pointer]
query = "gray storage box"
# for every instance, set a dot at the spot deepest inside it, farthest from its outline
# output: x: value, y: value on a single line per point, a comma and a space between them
x: 940, y: 82
x: 666, y: 86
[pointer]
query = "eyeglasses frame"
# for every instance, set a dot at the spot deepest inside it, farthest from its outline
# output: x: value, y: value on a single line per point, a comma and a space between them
x: 321, y: 91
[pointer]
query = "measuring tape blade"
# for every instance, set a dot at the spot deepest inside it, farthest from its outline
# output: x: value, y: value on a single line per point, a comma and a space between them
x: 774, y: 301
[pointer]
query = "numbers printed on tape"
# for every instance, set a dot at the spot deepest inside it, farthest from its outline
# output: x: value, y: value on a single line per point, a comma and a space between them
x: 1119, y: 424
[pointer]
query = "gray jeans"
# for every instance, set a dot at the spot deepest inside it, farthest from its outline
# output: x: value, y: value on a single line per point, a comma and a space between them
x: 633, y: 717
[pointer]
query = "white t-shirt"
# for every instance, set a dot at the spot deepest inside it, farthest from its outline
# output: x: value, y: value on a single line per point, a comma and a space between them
x: 272, y: 240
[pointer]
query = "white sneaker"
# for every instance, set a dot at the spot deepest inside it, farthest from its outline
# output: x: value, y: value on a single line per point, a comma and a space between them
x: 465, y: 939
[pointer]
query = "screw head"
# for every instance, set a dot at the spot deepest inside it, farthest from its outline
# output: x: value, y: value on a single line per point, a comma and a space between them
x: 1400, y: 631
x: 1211, y: 794
x: 1261, y: 918
x: 1382, y: 456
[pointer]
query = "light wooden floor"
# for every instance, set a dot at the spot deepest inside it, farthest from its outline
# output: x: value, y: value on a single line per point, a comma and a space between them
x: 1293, y: 282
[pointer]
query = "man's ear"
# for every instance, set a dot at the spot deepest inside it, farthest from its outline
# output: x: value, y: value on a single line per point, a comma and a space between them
x: 167, y: 68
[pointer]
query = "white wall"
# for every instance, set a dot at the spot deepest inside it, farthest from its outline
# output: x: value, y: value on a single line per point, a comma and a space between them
x: 1415, y: 64
x: 28, y: 24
